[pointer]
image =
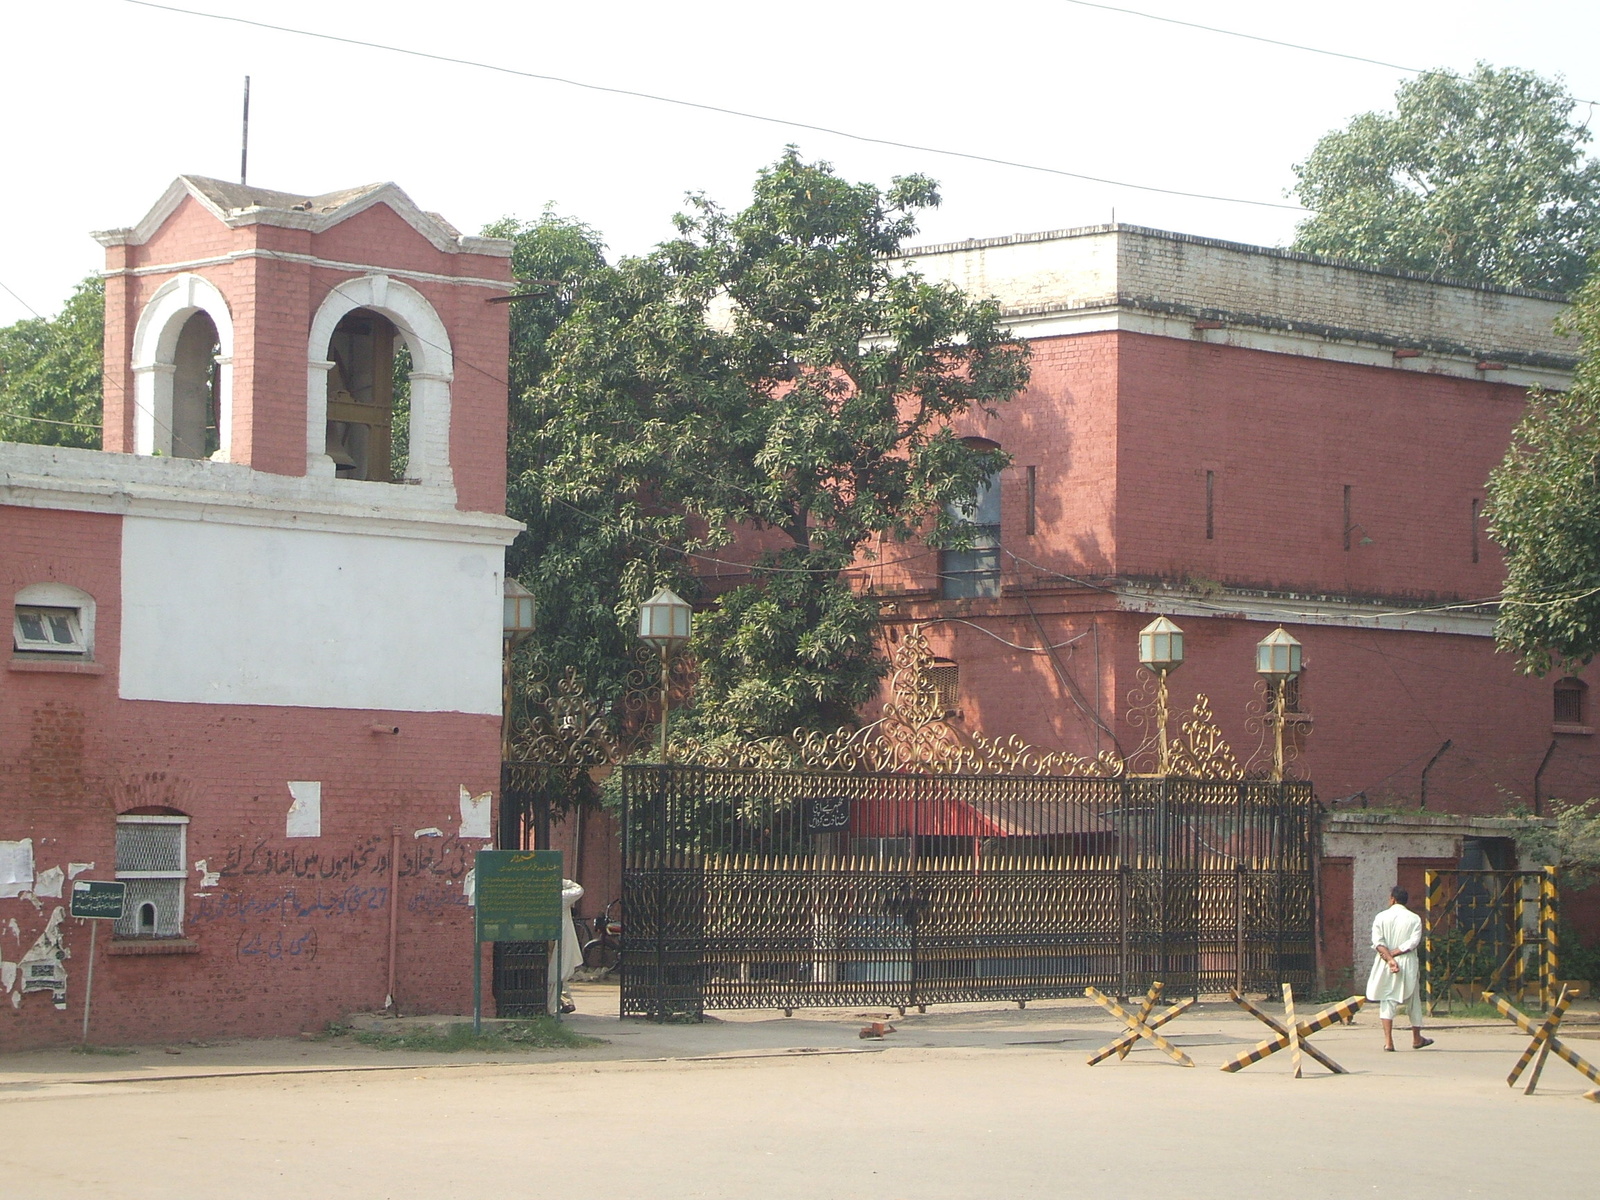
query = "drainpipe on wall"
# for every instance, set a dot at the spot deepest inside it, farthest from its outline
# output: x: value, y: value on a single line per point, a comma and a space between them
x: 1422, y: 801
x: 394, y: 913
x: 1538, y: 779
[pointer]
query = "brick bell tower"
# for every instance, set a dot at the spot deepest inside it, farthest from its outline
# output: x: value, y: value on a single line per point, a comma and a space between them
x: 345, y: 338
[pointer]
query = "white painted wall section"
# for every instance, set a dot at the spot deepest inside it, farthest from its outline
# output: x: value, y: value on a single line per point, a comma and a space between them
x: 236, y: 614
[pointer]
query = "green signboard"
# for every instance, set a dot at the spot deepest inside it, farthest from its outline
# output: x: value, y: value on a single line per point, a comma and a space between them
x: 518, y: 895
x: 102, y: 901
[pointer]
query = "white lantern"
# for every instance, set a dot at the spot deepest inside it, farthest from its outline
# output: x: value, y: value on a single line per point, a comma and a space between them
x: 664, y: 620
x: 1161, y: 646
x: 1278, y: 655
x: 519, y: 615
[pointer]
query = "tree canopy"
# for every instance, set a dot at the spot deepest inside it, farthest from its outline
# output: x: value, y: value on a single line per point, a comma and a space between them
x: 586, y: 564
x: 1544, y: 509
x: 50, y: 373
x: 773, y: 371
x: 1479, y: 177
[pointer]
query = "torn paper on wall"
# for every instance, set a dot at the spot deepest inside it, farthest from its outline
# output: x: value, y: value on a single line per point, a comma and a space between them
x: 8, y: 976
x: 43, y: 967
x: 469, y: 885
x: 208, y: 877
x: 16, y: 868
x: 474, y: 815
x: 49, y: 883
x: 430, y: 831
x: 76, y: 869
x: 305, y: 814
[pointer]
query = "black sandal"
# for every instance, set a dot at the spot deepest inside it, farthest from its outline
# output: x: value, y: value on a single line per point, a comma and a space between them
x: 1423, y: 1044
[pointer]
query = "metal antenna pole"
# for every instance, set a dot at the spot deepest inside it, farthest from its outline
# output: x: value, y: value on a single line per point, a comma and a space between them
x: 244, y: 138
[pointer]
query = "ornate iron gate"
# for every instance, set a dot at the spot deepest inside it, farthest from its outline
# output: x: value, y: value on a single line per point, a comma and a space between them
x: 791, y: 889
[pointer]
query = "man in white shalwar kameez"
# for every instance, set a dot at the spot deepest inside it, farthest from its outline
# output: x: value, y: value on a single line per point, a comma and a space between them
x: 1396, y: 978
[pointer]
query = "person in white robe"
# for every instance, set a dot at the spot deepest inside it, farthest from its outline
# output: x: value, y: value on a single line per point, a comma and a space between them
x: 1396, y: 977
x: 558, y: 998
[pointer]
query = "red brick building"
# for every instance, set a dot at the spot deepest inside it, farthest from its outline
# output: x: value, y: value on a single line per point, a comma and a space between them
x: 1239, y: 438
x: 255, y: 654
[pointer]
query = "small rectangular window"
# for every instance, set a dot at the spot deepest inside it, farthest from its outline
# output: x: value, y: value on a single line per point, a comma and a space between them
x: 150, y: 860
x: 1569, y: 702
x: 1032, y: 526
x: 47, y: 630
x: 1211, y: 489
x: 1348, y: 527
x: 946, y: 680
x: 1476, y: 507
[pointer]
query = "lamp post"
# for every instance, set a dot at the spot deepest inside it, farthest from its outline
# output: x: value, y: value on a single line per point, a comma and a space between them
x: 665, y: 621
x: 1161, y: 651
x: 516, y: 624
x: 1277, y: 661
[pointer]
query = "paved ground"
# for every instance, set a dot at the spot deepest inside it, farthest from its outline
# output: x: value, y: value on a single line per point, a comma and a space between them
x: 974, y: 1102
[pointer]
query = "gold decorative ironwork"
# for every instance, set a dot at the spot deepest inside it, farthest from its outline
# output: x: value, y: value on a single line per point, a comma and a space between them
x: 1201, y: 752
x: 912, y: 735
x: 1279, y: 739
x: 562, y: 726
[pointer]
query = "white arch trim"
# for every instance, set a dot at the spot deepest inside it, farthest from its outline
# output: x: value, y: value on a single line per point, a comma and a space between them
x: 155, y: 344
x: 432, y: 371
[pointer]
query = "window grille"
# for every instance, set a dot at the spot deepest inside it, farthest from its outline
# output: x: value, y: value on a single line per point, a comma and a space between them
x: 150, y: 861
x: 946, y: 681
x: 1569, y: 701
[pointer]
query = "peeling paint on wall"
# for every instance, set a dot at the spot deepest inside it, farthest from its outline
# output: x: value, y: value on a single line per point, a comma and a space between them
x: 430, y: 831
x: 16, y: 868
x: 305, y: 814
x: 474, y: 815
x: 43, y: 967
x: 76, y: 869
x: 208, y: 877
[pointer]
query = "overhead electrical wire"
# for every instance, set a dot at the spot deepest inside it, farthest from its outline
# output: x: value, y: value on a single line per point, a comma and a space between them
x: 1256, y: 37
x: 716, y: 108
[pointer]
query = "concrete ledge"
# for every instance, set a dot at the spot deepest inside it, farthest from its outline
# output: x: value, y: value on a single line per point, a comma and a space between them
x: 153, y: 946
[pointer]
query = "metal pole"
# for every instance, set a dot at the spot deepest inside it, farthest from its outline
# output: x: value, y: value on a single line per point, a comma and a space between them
x: 1538, y: 780
x: 244, y: 138
x: 1277, y: 732
x: 88, y: 987
x: 665, y: 659
x: 477, y: 985
x: 394, y: 913
x: 1164, y: 766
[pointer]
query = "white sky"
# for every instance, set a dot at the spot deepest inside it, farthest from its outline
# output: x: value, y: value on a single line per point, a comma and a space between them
x: 105, y: 102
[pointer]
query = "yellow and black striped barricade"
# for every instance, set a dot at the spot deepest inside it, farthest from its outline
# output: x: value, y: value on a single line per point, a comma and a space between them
x: 1137, y: 1026
x: 1544, y: 1044
x: 1296, y: 1033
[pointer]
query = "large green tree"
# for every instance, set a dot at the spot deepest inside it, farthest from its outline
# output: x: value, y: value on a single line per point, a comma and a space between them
x: 772, y: 371
x: 50, y: 373
x: 583, y: 560
x: 1480, y: 177
x: 1544, y: 509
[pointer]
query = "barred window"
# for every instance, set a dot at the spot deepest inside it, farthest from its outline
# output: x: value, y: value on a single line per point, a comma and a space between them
x: 1569, y: 701
x: 150, y: 860
x: 946, y: 680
